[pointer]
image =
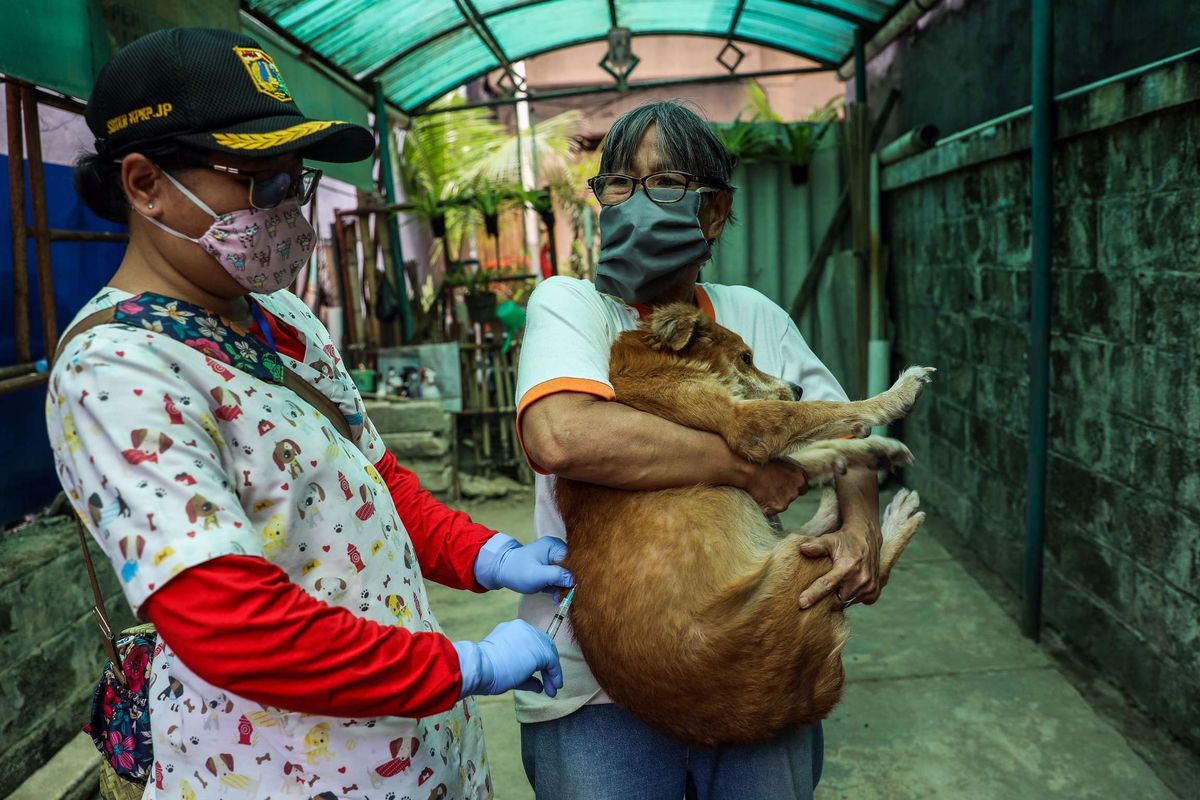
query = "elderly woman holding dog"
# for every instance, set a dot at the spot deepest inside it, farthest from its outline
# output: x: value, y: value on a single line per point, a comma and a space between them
x: 207, y: 433
x: 665, y: 196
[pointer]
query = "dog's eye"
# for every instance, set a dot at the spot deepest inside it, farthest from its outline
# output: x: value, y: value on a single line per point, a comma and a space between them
x: 747, y: 359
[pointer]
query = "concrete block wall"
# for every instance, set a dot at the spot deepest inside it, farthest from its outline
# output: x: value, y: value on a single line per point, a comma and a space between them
x: 50, y: 654
x: 418, y: 435
x: 1123, y: 537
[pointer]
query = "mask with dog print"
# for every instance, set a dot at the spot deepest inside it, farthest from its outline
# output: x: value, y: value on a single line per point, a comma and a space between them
x: 644, y: 245
x: 251, y: 244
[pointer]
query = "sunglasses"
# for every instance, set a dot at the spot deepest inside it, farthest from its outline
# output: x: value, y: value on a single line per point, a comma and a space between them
x: 269, y: 188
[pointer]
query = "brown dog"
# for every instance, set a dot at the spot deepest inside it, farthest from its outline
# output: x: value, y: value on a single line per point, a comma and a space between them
x: 688, y: 610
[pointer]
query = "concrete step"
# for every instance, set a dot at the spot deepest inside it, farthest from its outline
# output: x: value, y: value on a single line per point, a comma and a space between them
x: 421, y: 444
x: 436, y: 475
x: 404, y: 417
x: 71, y: 774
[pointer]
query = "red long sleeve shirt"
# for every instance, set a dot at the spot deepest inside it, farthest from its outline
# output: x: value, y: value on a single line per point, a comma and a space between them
x: 239, y: 623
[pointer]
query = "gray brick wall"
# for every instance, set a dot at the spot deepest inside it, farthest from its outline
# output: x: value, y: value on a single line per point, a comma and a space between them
x: 50, y: 652
x: 1123, y: 537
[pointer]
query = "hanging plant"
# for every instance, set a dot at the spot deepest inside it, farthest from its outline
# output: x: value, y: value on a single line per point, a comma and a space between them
x: 764, y: 137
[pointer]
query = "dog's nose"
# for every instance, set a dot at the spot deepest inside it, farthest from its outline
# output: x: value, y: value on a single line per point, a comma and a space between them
x: 797, y: 391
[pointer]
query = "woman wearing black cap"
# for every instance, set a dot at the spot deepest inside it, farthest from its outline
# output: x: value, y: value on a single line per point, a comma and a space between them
x: 209, y: 436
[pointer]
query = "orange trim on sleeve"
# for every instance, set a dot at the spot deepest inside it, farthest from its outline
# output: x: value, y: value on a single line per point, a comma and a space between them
x: 554, y: 386
x: 705, y: 304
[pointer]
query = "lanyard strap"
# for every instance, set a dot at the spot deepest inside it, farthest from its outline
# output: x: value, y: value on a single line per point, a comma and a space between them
x: 261, y: 318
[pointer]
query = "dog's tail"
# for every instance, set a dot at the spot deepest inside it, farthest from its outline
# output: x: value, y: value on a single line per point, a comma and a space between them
x: 901, y: 519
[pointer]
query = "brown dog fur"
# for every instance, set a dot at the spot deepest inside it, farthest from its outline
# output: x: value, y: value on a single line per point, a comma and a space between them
x: 688, y: 606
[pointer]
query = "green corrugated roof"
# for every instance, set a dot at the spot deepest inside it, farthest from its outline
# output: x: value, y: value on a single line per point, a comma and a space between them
x: 420, y: 49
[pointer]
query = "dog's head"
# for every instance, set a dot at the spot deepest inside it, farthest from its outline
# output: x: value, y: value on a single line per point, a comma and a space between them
x: 685, y: 333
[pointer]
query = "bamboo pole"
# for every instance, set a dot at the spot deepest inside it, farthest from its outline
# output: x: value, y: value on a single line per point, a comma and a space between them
x: 370, y: 280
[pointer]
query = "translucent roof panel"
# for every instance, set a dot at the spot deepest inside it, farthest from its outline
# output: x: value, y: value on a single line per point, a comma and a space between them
x: 686, y: 16
x: 524, y: 32
x: 785, y: 25
x: 421, y: 49
x: 439, y: 67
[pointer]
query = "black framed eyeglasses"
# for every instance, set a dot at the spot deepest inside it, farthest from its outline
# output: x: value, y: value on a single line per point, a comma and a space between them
x: 668, y: 186
x: 269, y: 188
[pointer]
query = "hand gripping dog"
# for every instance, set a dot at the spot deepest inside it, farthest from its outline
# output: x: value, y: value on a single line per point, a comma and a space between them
x: 689, y: 608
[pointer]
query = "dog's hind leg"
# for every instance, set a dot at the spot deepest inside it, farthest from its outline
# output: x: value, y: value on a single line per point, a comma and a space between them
x: 827, y: 519
x: 900, y: 521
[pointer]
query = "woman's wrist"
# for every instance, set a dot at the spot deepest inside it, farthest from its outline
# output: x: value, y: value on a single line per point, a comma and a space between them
x: 471, y: 666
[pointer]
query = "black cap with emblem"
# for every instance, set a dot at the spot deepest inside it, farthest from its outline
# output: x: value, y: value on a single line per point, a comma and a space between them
x: 213, y: 90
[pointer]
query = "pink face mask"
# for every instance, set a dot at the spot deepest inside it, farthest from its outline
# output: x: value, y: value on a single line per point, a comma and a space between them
x: 262, y: 248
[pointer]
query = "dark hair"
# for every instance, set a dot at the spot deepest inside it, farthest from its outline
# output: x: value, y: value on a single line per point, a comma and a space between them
x: 97, y: 178
x: 685, y: 142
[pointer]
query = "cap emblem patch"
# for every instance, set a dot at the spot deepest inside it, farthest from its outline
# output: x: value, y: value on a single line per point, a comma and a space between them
x: 264, y: 73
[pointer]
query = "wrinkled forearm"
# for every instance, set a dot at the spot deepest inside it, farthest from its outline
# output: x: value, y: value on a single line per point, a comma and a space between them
x: 597, y: 441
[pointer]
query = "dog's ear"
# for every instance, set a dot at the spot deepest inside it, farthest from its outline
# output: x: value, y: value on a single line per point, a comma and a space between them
x: 676, y: 326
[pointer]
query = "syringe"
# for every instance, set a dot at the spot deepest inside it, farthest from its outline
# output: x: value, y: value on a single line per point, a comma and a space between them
x: 560, y: 614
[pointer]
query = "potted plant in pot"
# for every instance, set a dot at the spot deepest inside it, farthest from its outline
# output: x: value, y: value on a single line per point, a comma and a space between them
x: 488, y: 198
x: 479, y: 298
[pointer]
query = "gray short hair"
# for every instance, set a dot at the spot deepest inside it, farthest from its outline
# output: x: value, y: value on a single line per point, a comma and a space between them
x: 685, y: 141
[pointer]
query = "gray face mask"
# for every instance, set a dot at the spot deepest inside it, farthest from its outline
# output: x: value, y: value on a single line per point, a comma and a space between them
x: 644, y: 245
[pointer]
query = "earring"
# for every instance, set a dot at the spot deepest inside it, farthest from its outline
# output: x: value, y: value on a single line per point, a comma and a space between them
x: 149, y: 205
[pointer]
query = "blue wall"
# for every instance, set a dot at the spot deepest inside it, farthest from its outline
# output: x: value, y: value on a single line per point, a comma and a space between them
x: 27, y: 479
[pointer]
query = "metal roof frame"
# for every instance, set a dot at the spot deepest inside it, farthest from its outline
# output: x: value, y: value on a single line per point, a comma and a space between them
x: 477, y: 22
x: 822, y: 66
x: 383, y: 66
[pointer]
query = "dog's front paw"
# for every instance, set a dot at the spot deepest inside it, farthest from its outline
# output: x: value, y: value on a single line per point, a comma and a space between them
x: 905, y: 390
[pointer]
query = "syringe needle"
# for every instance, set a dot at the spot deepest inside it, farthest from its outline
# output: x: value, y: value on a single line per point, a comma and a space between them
x: 560, y: 614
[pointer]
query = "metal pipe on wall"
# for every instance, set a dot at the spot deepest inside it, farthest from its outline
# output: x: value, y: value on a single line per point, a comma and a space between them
x: 19, y: 384
x: 1042, y: 202
x: 918, y: 140
x: 858, y: 178
x: 386, y: 169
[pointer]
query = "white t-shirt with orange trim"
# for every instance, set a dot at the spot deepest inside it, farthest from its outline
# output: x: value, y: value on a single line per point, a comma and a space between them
x: 569, y: 331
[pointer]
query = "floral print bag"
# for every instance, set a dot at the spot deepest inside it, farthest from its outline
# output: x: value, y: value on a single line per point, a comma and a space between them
x: 120, y: 721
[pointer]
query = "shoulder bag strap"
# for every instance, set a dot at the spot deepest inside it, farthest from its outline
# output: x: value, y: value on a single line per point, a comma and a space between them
x: 108, y: 639
x: 318, y: 400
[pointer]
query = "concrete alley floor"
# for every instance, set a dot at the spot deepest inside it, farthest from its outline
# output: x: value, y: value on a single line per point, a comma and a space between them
x: 944, y: 697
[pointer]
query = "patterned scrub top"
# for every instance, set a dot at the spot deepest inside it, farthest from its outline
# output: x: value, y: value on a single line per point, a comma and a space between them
x: 177, y: 443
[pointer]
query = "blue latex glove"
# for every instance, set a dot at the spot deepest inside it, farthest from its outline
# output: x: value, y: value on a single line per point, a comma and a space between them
x: 508, y: 658
x: 528, y: 570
